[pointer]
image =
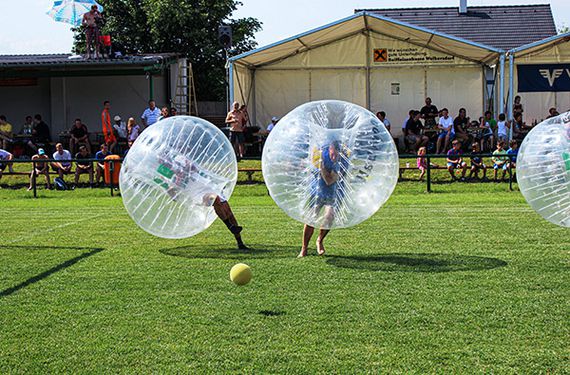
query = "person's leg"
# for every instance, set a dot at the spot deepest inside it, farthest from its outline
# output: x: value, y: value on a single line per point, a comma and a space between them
x: 88, y: 41
x: 87, y: 145
x: 495, y: 169
x: 422, y: 173
x: 77, y: 173
x: 438, y: 147
x: 72, y: 145
x: 46, y: 173
x: 450, y: 169
x: 464, y: 169
x: 446, y: 144
x: 32, y: 179
x: 307, y: 234
x: 224, y: 212
x: 99, y: 174
x: 90, y: 170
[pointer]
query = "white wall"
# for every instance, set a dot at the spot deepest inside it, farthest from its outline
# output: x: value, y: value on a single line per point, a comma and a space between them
x: 20, y: 101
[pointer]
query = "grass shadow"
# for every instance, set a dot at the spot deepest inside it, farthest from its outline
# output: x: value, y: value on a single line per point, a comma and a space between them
x: 408, y: 262
x: 256, y: 251
x: 34, y: 279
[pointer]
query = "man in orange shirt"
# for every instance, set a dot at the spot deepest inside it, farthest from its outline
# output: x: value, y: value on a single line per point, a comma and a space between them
x: 108, y: 133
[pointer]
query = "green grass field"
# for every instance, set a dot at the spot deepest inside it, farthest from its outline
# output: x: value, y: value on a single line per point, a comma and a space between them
x: 467, y: 279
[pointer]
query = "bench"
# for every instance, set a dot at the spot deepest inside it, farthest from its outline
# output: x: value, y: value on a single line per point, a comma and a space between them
x: 439, y: 167
x: 249, y: 172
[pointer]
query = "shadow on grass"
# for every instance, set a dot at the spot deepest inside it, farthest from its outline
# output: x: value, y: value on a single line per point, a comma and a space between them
x: 34, y: 279
x: 408, y: 262
x: 256, y: 251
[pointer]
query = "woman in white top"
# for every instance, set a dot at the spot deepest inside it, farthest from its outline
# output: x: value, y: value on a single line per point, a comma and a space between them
x: 447, y: 132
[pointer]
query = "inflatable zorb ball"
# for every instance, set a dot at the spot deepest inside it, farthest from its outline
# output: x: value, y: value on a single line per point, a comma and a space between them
x: 543, y: 169
x: 330, y: 164
x: 172, y: 174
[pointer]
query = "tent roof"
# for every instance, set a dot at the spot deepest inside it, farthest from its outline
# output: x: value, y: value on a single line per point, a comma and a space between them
x: 540, y: 45
x: 359, y: 23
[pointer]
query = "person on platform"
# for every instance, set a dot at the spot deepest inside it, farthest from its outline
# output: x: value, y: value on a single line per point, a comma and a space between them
x: 91, y: 21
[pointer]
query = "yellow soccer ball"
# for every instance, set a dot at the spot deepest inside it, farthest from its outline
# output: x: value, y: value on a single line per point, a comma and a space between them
x: 240, y: 274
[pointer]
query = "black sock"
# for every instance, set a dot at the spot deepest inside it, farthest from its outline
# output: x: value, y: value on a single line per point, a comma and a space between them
x: 228, y: 224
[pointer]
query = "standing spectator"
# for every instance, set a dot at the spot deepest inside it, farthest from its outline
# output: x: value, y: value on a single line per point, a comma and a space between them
x: 487, y: 136
x: 173, y: 112
x: 235, y: 121
x: 39, y: 168
x: 517, y: 106
x: 150, y: 115
x: 454, y: 160
x: 460, y: 124
x: 78, y: 134
x: 382, y: 117
x: 5, y: 157
x: 100, y: 156
x: 499, y: 161
x: 492, y: 122
x: 552, y: 112
x: 413, y: 132
x: 83, y: 165
x: 477, y: 162
x: 513, y: 152
x: 422, y: 162
x: 120, y: 128
x: 40, y: 134
x: 429, y: 113
x: 133, y: 131
x: 244, y: 116
x: 5, y: 132
x: 62, y: 165
x: 90, y: 22
x: 164, y: 113
x: 446, y: 131
x: 108, y: 132
x: 503, y: 127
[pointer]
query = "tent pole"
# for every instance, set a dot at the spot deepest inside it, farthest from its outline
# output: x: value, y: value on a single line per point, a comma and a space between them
x: 501, y: 85
x: 230, y: 74
x: 254, y: 99
x: 368, y: 99
x: 511, y: 90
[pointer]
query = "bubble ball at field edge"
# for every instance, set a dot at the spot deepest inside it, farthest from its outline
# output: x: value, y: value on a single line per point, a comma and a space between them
x: 330, y: 164
x: 240, y: 274
x: 172, y: 174
x: 543, y: 169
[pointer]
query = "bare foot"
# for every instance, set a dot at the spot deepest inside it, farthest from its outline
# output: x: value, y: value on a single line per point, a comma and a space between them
x: 320, y: 247
x: 302, y: 254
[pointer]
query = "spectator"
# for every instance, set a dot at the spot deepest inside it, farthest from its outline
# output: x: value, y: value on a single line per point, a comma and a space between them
x: 454, y: 160
x: 235, y: 121
x: 429, y: 113
x: 62, y: 165
x: 552, y: 112
x: 39, y: 168
x: 120, y: 128
x: 244, y: 116
x: 487, y: 136
x: 447, y: 132
x: 100, y: 156
x: 5, y: 132
x: 492, y: 122
x: 78, y: 134
x: 83, y: 165
x: 460, y: 124
x: 500, y: 162
x: 5, y: 157
x: 517, y: 106
x: 173, y: 112
x: 90, y: 22
x: 413, y: 131
x: 513, y: 152
x: 422, y: 162
x: 503, y: 127
x: 520, y: 129
x: 274, y: 121
x: 26, y: 133
x: 164, y: 113
x: 108, y: 132
x: 150, y: 115
x: 133, y: 131
x: 40, y: 133
x: 382, y: 117
x: 477, y: 162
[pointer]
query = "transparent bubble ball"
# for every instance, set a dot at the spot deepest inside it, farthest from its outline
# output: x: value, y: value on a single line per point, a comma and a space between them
x: 330, y: 164
x: 543, y: 169
x: 173, y: 173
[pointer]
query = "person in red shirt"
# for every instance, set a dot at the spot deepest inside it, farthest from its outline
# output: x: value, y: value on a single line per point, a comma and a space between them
x: 110, y: 139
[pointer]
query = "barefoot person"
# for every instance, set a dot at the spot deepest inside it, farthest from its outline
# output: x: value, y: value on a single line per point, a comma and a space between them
x: 40, y: 167
x: 324, y: 194
x: 224, y: 212
x: 235, y: 121
x: 90, y: 20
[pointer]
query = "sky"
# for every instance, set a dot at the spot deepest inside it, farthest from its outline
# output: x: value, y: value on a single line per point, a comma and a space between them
x: 26, y: 29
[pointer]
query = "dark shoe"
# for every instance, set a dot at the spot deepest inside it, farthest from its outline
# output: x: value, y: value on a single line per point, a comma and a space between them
x: 242, y: 246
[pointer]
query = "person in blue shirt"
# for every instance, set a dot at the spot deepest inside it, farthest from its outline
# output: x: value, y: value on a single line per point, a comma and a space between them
x: 455, y: 161
x: 326, y: 189
x: 100, y: 167
x: 513, y: 151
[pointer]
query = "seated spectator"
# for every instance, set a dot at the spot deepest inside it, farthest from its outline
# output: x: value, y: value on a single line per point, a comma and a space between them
x: 40, y: 133
x: 513, y: 152
x: 173, y: 112
x: 382, y: 117
x: 503, y: 127
x: 492, y: 122
x: 164, y: 113
x: 447, y: 132
x: 120, y: 128
x: 62, y: 165
x: 26, y: 133
x: 454, y: 160
x: 429, y: 113
x: 517, y: 106
x: 477, y: 162
x: 150, y: 115
x: 271, y: 125
x: 100, y: 168
x: 133, y: 131
x: 487, y: 135
x: 6, y: 135
x: 500, y: 162
x: 39, y: 168
x: 413, y: 132
x: 552, y: 112
x: 78, y: 135
x: 83, y: 165
x: 460, y: 124
x: 108, y: 131
x: 5, y: 157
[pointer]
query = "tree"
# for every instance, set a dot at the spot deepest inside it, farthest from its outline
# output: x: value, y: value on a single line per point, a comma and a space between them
x: 187, y: 27
x: 563, y: 29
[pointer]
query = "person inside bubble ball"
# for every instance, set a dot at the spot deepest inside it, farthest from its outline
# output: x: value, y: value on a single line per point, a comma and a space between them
x: 326, y: 188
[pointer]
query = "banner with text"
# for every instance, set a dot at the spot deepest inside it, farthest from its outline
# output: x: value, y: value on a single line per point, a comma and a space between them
x: 410, y: 55
x: 543, y: 78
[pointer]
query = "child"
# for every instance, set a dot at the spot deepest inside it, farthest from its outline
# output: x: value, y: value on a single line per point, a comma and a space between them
x: 500, y: 162
x: 513, y: 151
x: 133, y: 131
x: 454, y: 160
x: 477, y: 162
x: 487, y: 133
x: 447, y: 131
x: 502, y: 128
x: 422, y: 162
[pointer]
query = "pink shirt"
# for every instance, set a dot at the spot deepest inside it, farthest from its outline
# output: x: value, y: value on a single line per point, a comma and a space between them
x: 422, y: 163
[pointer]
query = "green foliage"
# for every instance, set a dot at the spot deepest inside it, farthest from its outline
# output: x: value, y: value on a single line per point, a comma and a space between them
x: 563, y: 29
x: 187, y: 27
